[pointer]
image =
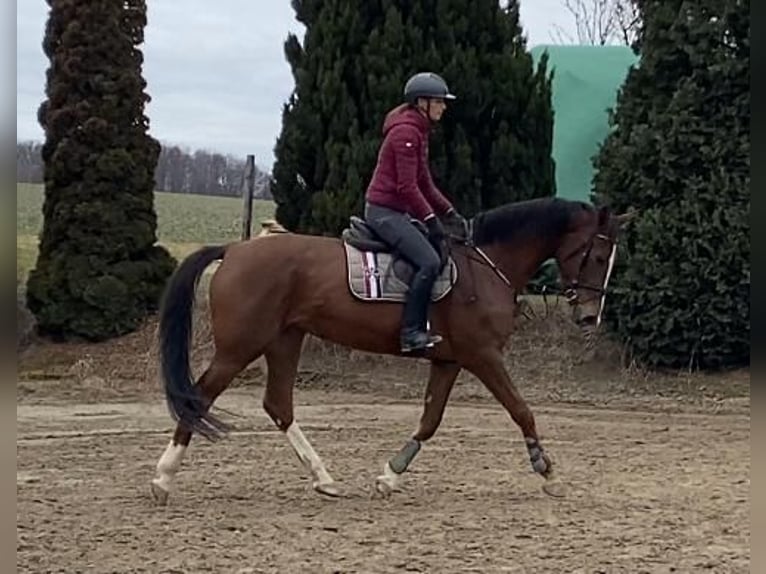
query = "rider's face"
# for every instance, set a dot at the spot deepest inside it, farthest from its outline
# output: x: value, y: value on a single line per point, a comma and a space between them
x: 433, y: 108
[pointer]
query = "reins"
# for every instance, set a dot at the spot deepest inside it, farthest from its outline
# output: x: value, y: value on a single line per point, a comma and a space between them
x: 483, y: 259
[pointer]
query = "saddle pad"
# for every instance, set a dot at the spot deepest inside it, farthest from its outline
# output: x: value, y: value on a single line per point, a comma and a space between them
x: 383, y: 277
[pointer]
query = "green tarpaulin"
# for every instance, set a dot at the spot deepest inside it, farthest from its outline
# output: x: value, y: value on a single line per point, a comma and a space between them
x: 585, y: 84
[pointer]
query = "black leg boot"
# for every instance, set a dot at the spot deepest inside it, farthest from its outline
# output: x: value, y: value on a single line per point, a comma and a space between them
x: 414, y: 336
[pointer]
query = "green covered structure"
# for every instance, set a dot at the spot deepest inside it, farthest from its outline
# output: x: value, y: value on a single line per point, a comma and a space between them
x: 585, y: 84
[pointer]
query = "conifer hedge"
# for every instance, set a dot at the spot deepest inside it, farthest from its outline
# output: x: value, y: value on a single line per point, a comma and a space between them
x: 99, y: 272
x: 680, y: 154
x: 492, y: 146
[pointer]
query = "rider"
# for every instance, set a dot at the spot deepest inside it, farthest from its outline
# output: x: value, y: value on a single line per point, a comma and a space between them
x: 401, y: 188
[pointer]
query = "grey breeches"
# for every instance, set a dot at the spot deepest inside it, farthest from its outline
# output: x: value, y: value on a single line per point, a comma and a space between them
x: 396, y: 229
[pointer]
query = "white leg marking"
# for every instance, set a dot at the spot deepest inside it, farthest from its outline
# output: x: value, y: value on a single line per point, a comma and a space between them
x: 606, y: 282
x: 308, y: 456
x: 389, y: 481
x: 168, y: 466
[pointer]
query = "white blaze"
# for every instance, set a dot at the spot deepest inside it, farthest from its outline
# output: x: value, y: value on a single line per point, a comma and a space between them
x: 606, y: 282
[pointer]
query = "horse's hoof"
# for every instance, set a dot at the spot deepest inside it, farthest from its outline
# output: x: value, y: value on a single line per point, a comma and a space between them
x: 328, y: 489
x: 554, y: 488
x: 159, y: 494
x: 383, y: 487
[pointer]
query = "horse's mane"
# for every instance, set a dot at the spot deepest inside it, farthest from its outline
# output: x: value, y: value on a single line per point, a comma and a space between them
x: 541, y: 218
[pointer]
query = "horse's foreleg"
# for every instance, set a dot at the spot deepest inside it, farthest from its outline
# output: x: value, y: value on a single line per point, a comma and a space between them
x: 489, y: 368
x: 282, y: 358
x: 440, y: 382
x: 212, y: 383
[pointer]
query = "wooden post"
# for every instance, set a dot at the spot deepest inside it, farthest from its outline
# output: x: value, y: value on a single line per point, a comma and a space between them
x: 248, y: 189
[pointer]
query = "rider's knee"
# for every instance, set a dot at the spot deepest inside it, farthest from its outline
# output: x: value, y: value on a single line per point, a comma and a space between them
x: 430, y: 267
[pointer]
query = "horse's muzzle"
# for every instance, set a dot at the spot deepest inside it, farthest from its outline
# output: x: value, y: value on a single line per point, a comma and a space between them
x: 587, y: 322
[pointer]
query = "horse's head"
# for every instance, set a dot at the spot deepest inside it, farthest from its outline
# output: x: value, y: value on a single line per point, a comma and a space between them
x: 586, y: 259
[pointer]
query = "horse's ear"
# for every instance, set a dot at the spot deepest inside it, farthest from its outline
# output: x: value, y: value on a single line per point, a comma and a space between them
x: 625, y: 218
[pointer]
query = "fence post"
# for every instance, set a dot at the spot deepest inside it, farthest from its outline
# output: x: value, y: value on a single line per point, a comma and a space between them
x: 248, y: 189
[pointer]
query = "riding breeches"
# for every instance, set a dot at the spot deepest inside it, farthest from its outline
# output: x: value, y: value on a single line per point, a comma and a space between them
x: 396, y: 229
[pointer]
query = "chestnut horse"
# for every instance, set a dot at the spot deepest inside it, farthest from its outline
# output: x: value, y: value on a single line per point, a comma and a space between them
x: 269, y: 292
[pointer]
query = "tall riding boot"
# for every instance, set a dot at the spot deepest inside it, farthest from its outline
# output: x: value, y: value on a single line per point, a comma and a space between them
x: 414, y: 336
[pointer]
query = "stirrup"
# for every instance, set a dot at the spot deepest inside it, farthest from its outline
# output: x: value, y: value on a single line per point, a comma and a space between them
x: 419, y: 341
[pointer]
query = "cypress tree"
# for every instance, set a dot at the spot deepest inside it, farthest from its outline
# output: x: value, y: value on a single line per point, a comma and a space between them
x: 98, y: 272
x: 680, y: 154
x: 492, y: 146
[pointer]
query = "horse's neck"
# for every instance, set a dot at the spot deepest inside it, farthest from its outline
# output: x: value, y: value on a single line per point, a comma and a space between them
x: 519, y: 260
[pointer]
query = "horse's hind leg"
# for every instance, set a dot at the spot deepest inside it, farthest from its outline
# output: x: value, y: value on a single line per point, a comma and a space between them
x: 440, y: 382
x: 282, y: 358
x: 211, y: 384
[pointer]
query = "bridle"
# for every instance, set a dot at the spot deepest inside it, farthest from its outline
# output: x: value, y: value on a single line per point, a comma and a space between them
x: 571, y: 287
x: 589, y: 325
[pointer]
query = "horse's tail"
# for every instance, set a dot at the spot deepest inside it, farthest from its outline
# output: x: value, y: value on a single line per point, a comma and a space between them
x: 175, y: 332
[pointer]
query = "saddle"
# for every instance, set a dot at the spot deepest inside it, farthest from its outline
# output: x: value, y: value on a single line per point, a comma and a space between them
x: 376, y: 272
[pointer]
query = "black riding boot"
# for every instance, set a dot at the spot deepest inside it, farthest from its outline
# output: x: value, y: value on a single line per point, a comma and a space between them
x: 414, y: 335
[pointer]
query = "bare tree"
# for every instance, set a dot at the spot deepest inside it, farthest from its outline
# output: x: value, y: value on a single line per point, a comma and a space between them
x: 29, y: 162
x: 600, y: 22
x: 179, y: 170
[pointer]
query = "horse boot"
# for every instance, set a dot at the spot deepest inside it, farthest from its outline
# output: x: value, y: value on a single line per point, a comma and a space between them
x: 414, y: 334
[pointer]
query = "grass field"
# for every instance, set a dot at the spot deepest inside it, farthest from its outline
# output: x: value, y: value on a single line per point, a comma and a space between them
x: 184, y: 222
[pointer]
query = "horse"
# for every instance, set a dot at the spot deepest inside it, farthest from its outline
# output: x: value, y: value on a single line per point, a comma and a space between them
x: 269, y: 292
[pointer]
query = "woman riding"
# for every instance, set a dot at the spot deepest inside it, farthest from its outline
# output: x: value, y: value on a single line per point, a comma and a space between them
x: 402, y: 188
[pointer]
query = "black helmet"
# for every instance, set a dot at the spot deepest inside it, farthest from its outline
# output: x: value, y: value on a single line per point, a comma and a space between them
x: 426, y: 85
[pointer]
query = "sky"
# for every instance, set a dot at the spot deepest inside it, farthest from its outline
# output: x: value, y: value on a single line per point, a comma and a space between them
x: 217, y: 77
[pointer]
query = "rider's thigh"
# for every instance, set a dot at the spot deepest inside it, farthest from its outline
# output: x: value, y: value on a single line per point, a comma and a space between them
x: 418, y: 249
x: 400, y: 233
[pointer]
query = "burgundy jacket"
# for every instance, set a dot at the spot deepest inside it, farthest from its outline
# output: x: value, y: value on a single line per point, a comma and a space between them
x: 402, y: 179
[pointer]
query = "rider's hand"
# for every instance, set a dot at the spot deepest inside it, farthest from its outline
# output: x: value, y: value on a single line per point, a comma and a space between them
x: 435, y: 228
x: 457, y: 223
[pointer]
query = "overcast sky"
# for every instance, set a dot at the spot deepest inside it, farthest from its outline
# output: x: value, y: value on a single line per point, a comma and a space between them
x: 216, y: 72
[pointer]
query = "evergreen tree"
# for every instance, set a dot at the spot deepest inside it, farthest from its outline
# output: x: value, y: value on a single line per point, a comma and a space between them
x: 98, y: 271
x: 492, y: 146
x: 680, y: 154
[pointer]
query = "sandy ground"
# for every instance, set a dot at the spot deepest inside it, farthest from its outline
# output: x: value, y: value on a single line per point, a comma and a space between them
x: 649, y: 490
